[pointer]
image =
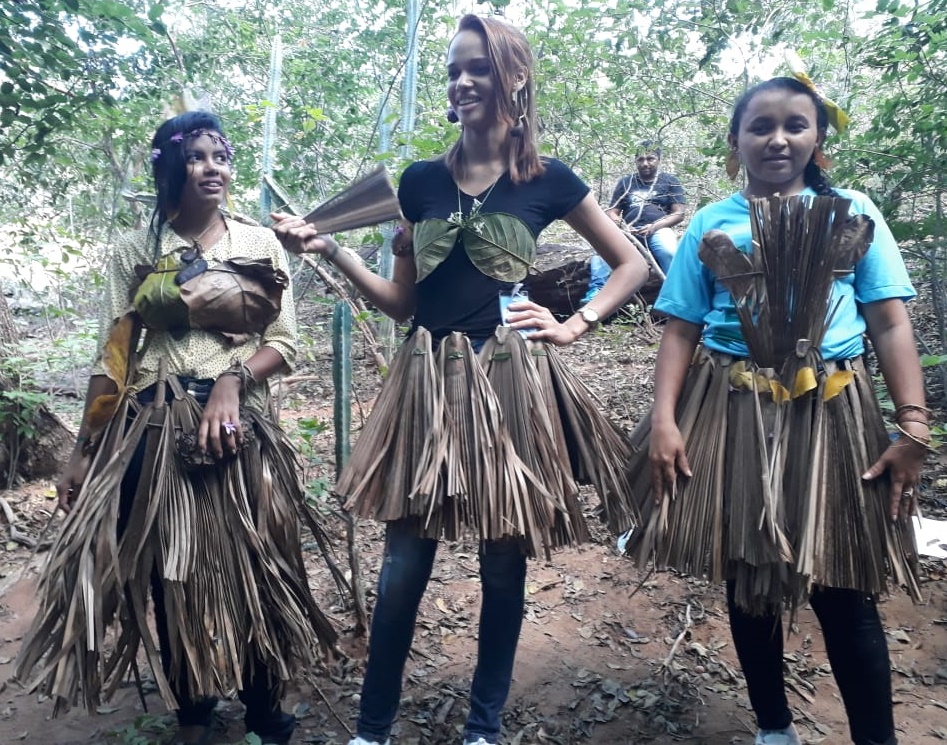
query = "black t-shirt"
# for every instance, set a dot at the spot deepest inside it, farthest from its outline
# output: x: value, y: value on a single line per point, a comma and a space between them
x: 457, y: 296
x: 641, y: 203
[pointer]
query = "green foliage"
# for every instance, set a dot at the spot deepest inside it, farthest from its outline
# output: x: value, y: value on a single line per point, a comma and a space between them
x: 318, y: 487
x: 58, y: 66
x: 147, y: 729
x: 19, y: 409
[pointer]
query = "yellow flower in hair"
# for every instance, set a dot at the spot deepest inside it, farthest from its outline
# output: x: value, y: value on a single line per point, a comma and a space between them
x: 837, y: 118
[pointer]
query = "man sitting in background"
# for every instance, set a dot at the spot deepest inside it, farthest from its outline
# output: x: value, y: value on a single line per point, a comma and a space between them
x: 648, y: 204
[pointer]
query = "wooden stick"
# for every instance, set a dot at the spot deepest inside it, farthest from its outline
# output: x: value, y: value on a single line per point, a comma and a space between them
x: 357, y: 305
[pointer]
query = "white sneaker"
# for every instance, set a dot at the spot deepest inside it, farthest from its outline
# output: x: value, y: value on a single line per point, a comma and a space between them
x: 363, y: 741
x: 787, y: 736
x: 478, y: 741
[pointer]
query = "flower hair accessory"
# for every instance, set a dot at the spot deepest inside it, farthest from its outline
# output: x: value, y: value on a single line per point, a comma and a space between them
x: 837, y: 118
x: 179, y: 137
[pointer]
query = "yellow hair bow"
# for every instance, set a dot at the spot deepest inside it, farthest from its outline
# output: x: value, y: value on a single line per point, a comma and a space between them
x: 837, y: 118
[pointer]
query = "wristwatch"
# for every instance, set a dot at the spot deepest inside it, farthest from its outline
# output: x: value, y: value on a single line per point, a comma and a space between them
x: 590, y: 316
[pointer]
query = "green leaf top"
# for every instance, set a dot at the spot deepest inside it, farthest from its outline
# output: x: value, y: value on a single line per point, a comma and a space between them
x: 499, y: 244
x: 158, y: 299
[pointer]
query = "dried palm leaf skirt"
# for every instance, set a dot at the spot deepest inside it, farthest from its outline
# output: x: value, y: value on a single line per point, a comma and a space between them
x: 776, y: 501
x: 491, y: 444
x: 224, y: 542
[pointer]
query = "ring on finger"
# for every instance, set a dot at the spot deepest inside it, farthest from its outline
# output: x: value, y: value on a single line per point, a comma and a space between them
x: 229, y: 427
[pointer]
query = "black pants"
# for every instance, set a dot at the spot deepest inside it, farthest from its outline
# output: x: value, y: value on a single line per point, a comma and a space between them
x: 857, y: 650
x: 262, y: 696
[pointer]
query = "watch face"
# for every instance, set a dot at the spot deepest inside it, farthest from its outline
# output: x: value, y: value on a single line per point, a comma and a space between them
x: 589, y: 315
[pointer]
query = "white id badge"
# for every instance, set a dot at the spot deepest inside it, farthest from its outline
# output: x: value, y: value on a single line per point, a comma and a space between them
x: 513, y: 295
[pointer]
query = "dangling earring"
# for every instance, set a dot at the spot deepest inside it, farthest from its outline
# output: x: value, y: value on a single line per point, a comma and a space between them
x: 519, y: 128
x: 821, y: 160
x: 733, y: 164
x: 452, y: 115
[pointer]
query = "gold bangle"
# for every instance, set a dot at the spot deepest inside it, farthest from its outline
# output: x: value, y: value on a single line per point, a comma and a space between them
x: 926, y: 444
x: 904, y: 420
x: 911, y: 407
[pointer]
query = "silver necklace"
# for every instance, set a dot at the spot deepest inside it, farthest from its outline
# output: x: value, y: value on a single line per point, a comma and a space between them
x: 471, y: 220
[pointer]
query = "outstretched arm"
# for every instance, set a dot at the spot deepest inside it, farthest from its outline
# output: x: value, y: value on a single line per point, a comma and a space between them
x: 893, y: 339
x: 394, y: 297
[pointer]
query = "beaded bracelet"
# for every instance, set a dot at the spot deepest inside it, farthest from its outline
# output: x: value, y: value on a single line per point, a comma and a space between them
x: 924, y: 443
x: 904, y: 408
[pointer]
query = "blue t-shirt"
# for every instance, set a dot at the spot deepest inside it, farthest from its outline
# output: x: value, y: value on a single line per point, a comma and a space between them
x: 692, y: 293
x: 457, y: 296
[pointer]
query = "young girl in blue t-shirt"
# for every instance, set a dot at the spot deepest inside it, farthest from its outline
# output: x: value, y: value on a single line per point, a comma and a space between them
x: 777, y: 131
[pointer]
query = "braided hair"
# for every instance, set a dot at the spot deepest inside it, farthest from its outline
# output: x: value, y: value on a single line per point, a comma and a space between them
x: 813, y: 176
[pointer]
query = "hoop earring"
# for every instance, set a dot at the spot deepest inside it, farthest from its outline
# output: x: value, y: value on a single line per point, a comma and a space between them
x: 452, y: 115
x: 733, y: 164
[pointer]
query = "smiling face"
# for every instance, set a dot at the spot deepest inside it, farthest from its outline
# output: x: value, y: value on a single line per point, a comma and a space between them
x: 776, y: 139
x: 471, y: 82
x: 208, y: 167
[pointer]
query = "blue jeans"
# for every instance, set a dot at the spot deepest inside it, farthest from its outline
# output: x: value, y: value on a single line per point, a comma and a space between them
x: 857, y: 650
x: 405, y: 572
x: 663, y: 246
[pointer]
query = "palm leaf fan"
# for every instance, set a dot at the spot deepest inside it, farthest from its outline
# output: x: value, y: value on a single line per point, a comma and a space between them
x: 368, y: 201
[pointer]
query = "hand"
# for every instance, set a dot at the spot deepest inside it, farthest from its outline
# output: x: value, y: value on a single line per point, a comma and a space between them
x: 219, y: 431
x: 902, y: 460
x: 646, y: 231
x: 540, y: 324
x: 668, y: 459
x: 72, y: 478
x: 300, y: 237
x: 402, y: 244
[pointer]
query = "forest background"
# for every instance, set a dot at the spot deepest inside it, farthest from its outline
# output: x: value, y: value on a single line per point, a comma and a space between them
x: 83, y: 83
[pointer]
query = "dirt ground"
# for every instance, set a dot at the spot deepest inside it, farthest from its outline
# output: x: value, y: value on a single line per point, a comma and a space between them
x: 609, y: 653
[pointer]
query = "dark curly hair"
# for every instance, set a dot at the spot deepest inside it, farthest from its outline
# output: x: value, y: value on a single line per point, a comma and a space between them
x: 813, y: 176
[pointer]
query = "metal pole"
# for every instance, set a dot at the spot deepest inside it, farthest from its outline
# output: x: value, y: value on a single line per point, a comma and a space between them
x: 269, y: 125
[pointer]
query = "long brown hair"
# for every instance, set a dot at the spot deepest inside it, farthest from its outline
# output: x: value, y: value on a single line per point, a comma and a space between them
x: 509, y: 53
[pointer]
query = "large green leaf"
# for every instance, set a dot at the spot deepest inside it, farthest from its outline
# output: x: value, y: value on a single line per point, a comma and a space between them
x: 158, y: 299
x: 500, y: 246
x: 433, y: 240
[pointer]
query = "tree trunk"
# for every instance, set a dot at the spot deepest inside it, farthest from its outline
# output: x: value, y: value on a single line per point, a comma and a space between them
x: 561, y: 288
x: 43, y: 454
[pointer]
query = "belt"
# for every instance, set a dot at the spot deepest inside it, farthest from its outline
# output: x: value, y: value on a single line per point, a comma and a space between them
x: 199, y: 388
